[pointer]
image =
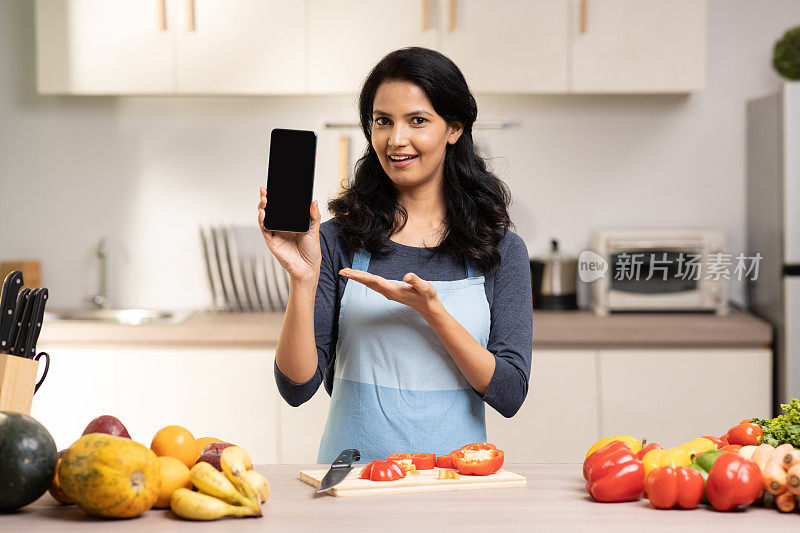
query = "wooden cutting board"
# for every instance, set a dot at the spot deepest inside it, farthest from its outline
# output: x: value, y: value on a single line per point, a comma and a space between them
x: 425, y: 481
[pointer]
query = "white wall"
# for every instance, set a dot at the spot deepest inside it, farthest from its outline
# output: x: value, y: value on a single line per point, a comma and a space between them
x: 145, y: 171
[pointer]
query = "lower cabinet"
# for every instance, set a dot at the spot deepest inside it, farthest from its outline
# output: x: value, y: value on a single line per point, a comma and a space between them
x: 228, y: 394
x: 560, y: 413
x: 575, y: 397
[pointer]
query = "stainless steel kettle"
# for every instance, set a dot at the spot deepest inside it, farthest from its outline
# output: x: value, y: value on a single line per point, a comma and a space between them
x: 553, y: 279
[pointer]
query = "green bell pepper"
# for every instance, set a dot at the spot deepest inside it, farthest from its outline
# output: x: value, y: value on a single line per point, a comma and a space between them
x: 703, y: 463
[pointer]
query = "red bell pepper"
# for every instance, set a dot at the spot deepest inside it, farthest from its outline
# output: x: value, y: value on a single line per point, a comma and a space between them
x: 444, y: 461
x: 600, y: 454
x: 746, y: 434
x: 422, y: 461
x: 733, y: 481
x: 716, y: 440
x: 724, y: 440
x: 478, y: 459
x: 382, y: 471
x: 669, y: 486
x: 616, y: 476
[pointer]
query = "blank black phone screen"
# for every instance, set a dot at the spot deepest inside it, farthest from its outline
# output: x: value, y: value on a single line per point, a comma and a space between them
x: 290, y: 180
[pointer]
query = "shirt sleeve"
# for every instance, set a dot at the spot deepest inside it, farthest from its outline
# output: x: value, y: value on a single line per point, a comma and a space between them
x: 511, y: 333
x: 325, y: 318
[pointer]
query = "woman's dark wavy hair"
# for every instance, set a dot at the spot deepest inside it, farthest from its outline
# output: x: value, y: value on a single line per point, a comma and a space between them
x: 476, y: 201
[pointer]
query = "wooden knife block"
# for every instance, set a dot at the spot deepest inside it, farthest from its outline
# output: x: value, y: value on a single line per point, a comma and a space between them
x: 17, y: 383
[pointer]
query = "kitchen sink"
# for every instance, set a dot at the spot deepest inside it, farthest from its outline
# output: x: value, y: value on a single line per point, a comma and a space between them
x: 120, y: 316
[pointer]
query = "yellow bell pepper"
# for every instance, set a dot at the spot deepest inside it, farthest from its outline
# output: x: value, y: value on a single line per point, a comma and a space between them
x: 655, y: 458
x: 698, y: 446
x: 632, y: 443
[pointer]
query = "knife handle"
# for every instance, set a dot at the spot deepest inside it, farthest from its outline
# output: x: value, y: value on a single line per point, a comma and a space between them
x: 19, y: 311
x: 37, y: 315
x: 347, y: 458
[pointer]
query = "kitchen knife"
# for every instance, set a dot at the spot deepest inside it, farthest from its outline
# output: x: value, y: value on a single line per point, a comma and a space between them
x: 37, y: 315
x: 8, y: 303
x: 339, y: 469
x: 22, y: 297
x: 23, y: 314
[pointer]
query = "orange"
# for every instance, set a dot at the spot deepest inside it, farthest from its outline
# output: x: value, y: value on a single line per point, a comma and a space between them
x: 177, y: 442
x: 202, y: 442
x: 174, y: 475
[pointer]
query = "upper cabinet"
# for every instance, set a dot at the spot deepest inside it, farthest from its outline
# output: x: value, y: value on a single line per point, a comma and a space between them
x: 329, y: 47
x: 241, y: 47
x: 513, y: 46
x: 104, y: 47
x: 346, y: 38
x: 638, y: 46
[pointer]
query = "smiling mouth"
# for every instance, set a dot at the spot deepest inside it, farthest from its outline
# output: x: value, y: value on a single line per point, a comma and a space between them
x: 403, y: 158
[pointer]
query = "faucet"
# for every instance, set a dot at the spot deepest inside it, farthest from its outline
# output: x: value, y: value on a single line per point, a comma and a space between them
x: 100, y: 300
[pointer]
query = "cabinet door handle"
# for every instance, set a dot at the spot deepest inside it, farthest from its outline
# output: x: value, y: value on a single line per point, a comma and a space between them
x: 584, y: 14
x: 190, y: 15
x: 452, y: 22
x: 426, y: 10
x: 162, y: 15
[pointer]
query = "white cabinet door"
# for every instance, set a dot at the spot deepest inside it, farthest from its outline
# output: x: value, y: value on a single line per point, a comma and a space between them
x: 301, y: 428
x: 638, y: 46
x: 227, y: 394
x: 242, y: 47
x: 672, y: 396
x: 104, y: 46
x: 514, y: 46
x: 347, y: 38
x: 81, y: 384
x: 558, y: 421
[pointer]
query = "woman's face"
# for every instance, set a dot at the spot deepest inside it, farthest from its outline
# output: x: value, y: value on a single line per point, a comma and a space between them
x: 405, y: 124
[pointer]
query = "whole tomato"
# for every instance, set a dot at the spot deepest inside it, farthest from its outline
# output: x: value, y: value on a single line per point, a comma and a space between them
x: 746, y: 434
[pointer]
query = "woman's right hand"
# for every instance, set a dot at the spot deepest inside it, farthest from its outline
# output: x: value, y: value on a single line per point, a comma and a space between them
x: 298, y: 253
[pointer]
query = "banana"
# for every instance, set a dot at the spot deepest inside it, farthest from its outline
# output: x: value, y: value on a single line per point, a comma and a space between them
x: 258, y: 483
x: 234, y: 462
x: 197, y: 506
x: 211, y: 481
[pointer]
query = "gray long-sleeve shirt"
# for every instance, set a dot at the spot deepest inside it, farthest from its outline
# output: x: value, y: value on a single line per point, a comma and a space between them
x: 508, y: 291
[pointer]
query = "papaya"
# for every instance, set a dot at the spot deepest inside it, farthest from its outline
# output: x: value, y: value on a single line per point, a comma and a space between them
x: 110, y: 476
x: 55, y: 485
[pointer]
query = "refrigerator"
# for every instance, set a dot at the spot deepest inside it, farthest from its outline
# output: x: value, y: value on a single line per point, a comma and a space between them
x: 773, y: 228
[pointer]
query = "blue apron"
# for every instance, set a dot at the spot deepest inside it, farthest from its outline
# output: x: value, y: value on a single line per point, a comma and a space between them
x: 395, y: 387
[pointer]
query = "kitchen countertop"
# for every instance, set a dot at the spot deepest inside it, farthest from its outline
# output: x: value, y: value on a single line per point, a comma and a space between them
x: 552, y: 329
x: 554, y: 499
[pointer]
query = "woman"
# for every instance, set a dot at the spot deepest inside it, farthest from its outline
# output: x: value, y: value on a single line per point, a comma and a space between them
x: 408, y: 364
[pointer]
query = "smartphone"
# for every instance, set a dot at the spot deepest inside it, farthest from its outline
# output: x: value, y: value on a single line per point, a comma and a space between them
x: 290, y: 180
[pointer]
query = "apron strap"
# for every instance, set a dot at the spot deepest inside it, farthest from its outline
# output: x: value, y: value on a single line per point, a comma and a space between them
x: 471, y: 271
x: 361, y: 260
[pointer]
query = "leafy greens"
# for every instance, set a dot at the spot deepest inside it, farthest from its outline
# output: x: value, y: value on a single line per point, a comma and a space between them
x: 785, y: 429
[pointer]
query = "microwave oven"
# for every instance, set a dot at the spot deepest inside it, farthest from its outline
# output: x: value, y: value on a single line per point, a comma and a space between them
x: 660, y: 270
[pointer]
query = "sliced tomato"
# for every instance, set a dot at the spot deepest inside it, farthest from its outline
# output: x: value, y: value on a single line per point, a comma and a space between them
x: 378, y: 470
x: 444, y: 461
x: 423, y: 461
x: 479, y: 459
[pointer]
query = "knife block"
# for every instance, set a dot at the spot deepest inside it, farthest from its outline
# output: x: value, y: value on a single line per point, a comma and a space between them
x: 17, y: 383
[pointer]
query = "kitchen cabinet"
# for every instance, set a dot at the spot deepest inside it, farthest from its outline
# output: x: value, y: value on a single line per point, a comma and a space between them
x: 242, y: 47
x: 104, y: 46
x: 347, y: 38
x: 514, y: 46
x: 638, y: 46
x: 81, y: 383
x: 673, y: 395
x: 224, y: 393
x: 325, y: 47
x: 170, y: 46
x: 560, y: 414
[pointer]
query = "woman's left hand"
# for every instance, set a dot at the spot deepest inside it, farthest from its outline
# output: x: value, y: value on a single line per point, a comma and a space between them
x: 418, y: 294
